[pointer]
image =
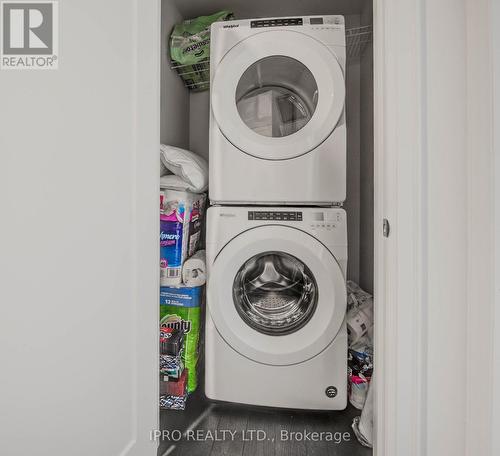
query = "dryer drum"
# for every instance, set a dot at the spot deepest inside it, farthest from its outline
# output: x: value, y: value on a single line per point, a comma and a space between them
x: 275, y: 293
x: 276, y: 96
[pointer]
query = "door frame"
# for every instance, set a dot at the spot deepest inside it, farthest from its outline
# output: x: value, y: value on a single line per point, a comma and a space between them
x: 422, y: 175
x: 494, y: 38
x: 398, y: 267
x: 434, y: 182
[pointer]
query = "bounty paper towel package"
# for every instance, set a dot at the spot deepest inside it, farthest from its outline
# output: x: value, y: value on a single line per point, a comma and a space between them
x: 181, y: 214
x: 180, y: 309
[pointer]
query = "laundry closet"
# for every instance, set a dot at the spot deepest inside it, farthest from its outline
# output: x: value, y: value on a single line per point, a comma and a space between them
x: 185, y: 123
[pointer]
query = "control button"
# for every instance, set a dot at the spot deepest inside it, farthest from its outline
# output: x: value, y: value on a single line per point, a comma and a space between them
x: 251, y: 216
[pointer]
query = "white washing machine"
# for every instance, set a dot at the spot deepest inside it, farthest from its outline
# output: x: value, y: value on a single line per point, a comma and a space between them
x: 277, y: 122
x: 276, y: 303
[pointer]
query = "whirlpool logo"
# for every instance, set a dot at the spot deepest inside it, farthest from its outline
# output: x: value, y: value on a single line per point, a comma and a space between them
x: 29, y: 35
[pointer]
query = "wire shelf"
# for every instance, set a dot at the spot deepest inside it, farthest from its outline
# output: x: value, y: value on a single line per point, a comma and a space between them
x: 196, y: 76
x: 356, y: 40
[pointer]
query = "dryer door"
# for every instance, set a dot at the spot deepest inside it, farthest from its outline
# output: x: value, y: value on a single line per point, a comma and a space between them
x: 277, y: 295
x: 278, y: 94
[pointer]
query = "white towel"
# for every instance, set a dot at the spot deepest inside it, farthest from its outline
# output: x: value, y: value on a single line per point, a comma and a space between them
x: 173, y: 182
x: 192, y: 168
x: 194, y: 270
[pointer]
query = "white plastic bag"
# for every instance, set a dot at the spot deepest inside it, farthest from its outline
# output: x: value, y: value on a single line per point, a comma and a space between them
x: 363, y: 425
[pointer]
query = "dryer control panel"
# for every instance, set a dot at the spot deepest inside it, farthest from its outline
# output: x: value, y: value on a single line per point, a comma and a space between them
x: 289, y: 216
x: 279, y: 22
x: 318, y: 22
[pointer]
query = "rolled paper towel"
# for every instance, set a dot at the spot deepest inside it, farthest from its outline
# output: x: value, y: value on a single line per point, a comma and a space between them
x: 194, y: 270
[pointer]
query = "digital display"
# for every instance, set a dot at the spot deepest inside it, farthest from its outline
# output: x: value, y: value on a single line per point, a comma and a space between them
x: 316, y: 21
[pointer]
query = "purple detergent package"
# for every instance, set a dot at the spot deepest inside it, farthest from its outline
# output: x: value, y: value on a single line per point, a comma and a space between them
x: 180, y: 231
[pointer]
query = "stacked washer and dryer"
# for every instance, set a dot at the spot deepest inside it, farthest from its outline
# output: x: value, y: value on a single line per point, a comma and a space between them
x: 276, y: 233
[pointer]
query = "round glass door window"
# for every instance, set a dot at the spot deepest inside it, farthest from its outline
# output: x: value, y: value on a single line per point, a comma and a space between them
x: 276, y: 96
x: 275, y: 293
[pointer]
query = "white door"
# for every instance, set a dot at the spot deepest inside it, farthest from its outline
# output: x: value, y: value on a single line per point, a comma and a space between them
x: 277, y: 295
x: 78, y: 266
x: 278, y: 94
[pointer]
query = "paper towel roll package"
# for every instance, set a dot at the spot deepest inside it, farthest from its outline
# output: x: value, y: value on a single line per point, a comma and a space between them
x: 194, y: 270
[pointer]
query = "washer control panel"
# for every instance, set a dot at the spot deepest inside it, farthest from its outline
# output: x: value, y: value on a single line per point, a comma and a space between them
x: 279, y: 22
x: 288, y: 216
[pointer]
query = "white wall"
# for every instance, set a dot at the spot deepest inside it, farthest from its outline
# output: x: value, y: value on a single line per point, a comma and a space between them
x: 446, y: 274
x: 78, y: 339
x: 265, y: 8
x: 353, y: 120
x: 353, y: 117
x: 366, y: 220
x: 199, y: 109
x: 174, y: 96
x: 360, y: 198
x: 494, y: 8
x: 480, y: 182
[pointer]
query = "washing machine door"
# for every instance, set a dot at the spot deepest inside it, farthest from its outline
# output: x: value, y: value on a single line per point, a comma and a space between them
x: 276, y: 295
x: 278, y: 94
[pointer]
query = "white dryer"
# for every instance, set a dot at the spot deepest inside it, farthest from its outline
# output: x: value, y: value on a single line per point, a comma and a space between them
x: 277, y: 122
x: 276, y: 303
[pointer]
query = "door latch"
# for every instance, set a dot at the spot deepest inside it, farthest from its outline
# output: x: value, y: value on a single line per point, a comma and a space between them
x: 386, y: 228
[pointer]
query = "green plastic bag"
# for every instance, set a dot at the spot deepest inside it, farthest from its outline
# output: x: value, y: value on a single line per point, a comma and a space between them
x: 190, y: 49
